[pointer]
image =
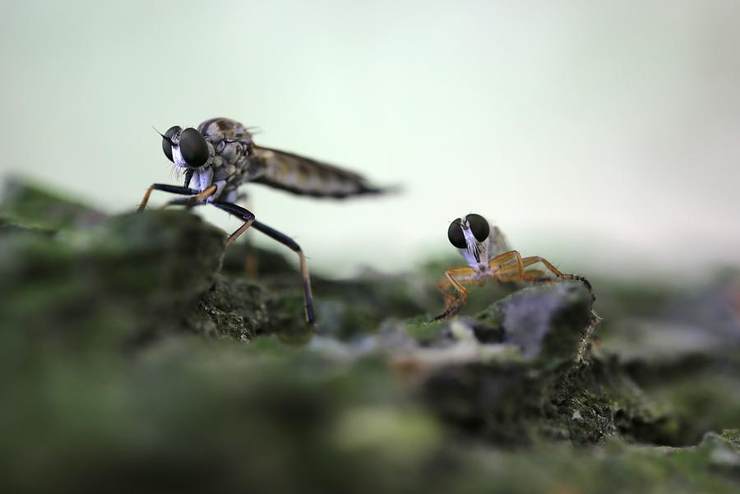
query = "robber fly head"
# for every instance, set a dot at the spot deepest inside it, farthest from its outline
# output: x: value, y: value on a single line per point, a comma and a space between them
x: 470, y: 235
x: 185, y: 148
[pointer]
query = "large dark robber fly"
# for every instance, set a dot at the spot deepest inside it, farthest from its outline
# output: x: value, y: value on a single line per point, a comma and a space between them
x: 219, y: 156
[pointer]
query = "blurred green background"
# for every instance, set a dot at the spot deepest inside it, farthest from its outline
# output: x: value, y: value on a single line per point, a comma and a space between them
x: 603, y: 135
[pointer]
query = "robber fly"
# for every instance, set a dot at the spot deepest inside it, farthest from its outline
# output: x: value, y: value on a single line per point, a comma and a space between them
x: 489, y: 256
x: 219, y: 156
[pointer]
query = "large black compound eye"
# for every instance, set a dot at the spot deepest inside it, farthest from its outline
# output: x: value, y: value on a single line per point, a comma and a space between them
x: 479, y: 226
x: 167, y: 141
x: 193, y: 147
x: 455, y: 234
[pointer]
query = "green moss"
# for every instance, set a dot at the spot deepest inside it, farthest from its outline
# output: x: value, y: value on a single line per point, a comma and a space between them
x: 423, y: 329
x: 233, y: 308
x: 123, y: 281
x: 32, y: 205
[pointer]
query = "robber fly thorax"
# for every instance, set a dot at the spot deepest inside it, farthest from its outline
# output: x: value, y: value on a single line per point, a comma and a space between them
x: 226, y: 148
x: 220, y: 156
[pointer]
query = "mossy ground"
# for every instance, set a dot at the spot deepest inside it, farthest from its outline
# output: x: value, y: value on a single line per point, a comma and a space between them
x: 135, y: 355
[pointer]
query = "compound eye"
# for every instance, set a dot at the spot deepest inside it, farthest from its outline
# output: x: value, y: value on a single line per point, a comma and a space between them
x: 193, y: 147
x: 479, y: 226
x: 167, y: 141
x: 455, y: 234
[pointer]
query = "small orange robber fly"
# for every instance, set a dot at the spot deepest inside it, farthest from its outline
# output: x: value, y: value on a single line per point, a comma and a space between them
x: 488, y: 255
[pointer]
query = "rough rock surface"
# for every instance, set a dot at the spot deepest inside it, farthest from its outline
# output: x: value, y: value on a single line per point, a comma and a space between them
x: 135, y: 354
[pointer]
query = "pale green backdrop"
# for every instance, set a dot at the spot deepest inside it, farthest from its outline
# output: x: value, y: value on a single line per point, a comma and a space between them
x: 604, y: 135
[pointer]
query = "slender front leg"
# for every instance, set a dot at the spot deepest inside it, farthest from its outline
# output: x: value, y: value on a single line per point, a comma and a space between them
x: 174, y: 189
x: 280, y: 237
x: 455, y: 278
x: 197, y: 199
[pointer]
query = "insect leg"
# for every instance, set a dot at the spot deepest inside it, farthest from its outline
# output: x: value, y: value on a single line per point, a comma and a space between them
x: 504, y: 270
x: 455, y: 278
x: 182, y: 202
x: 528, y: 261
x: 292, y: 245
x: 174, y: 189
x: 280, y: 237
x: 507, y: 266
x: 198, y: 198
x: 241, y: 213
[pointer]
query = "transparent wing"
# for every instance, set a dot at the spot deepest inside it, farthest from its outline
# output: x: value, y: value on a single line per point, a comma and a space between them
x: 497, y: 243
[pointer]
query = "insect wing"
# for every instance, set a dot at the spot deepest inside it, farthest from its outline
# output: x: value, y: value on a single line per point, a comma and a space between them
x: 497, y: 242
x: 306, y: 176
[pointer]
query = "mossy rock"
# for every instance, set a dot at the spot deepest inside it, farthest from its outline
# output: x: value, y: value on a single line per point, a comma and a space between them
x: 32, y: 205
x: 120, y: 282
x: 549, y: 322
x: 130, y: 359
x: 552, y: 387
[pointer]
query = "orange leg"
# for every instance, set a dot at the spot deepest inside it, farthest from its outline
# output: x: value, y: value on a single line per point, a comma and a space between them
x: 507, y: 272
x: 537, y: 275
x: 145, y: 199
x: 508, y: 266
x: 455, y: 279
x: 528, y: 261
x: 239, y: 231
